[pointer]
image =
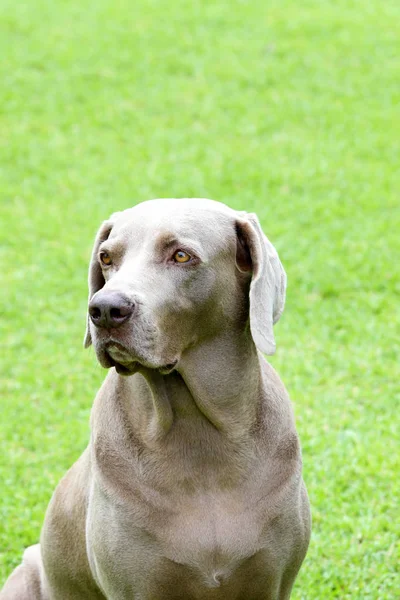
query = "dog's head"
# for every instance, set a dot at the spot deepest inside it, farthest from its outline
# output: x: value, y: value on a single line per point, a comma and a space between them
x: 169, y: 274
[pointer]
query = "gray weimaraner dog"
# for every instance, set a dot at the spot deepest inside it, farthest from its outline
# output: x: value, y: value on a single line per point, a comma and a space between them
x: 191, y: 486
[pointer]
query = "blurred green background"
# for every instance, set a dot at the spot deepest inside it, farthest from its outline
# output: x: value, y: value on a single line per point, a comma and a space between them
x: 286, y: 108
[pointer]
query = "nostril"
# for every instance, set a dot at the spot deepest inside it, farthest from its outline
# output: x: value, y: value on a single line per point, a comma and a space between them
x: 120, y: 313
x: 115, y: 313
x: 95, y: 312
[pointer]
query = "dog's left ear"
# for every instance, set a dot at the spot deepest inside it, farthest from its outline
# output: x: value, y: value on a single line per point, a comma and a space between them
x: 96, y: 279
x: 256, y: 254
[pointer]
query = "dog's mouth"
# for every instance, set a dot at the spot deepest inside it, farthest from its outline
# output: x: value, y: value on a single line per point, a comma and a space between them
x: 120, y: 358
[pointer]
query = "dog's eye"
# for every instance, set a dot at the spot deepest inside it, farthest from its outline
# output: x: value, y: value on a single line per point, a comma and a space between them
x: 105, y: 258
x: 181, y: 256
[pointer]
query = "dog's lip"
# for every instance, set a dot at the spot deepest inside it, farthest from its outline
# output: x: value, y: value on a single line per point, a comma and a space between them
x: 120, y: 358
x: 126, y: 370
x: 118, y: 353
x: 167, y: 369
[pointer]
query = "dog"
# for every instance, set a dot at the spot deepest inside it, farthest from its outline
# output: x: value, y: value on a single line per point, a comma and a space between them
x: 191, y: 486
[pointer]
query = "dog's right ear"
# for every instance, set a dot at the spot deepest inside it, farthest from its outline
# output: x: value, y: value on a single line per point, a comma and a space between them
x: 96, y: 279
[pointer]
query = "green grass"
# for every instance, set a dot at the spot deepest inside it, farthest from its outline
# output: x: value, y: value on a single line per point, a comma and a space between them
x: 289, y: 109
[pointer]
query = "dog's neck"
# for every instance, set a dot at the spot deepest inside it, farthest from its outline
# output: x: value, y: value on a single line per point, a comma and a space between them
x: 206, y: 413
x: 223, y: 377
x: 217, y: 381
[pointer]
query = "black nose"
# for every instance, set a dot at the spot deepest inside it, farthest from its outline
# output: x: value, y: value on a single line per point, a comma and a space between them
x: 110, y: 309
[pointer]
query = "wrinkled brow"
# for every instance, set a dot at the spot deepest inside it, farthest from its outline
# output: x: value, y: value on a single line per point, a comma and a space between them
x: 112, y: 245
x: 167, y: 240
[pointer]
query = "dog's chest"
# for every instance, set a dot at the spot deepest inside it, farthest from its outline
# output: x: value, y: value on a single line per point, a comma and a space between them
x: 202, y: 537
x: 212, y: 532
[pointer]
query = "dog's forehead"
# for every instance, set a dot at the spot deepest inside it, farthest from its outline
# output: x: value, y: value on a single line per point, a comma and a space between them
x: 202, y: 219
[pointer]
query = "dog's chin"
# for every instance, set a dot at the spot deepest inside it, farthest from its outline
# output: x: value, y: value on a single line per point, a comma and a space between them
x: 117, y: 356
x: 126, y: 369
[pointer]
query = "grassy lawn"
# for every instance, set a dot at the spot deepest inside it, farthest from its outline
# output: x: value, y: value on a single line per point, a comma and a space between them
x: 286, y: 108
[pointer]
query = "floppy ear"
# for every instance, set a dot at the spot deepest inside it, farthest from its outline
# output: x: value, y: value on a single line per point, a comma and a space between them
x: 255, y: 253
x: 96, y: 279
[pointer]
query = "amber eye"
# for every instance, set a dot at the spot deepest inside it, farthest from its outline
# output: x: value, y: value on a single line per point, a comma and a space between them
x: 181, y: 256
x: 105, y: 258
